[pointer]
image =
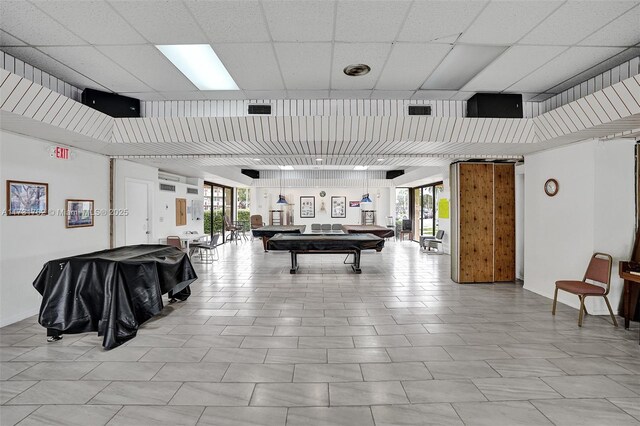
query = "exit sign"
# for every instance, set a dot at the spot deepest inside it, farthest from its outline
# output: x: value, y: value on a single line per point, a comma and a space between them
x: 60, y: 152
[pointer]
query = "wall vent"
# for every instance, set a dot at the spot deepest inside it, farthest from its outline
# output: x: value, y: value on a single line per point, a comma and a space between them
x: 192, y: 191
x: 419, y: 109
x: 259, y: 109
x: 166, y: 187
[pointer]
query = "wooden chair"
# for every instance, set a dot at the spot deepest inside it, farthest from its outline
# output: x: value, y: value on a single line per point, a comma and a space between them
x: 174, y: 241
x: 598, y: 271
x: 407, y: 229
x: 256, y: 222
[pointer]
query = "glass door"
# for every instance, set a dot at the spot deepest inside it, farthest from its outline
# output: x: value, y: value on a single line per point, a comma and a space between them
x: 425, y: 209
x: 214, y: 210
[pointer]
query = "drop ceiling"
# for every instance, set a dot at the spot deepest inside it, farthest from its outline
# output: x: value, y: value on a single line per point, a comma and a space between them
x: 297, y: 49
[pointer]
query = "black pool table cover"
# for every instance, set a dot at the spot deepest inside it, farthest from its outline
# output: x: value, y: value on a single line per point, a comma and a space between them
x: 271, y: 230
x: 111, y: 291
x: 326, y: 242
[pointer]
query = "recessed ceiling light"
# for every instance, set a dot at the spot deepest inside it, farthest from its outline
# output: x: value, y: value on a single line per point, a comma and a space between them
x: 360, y: 167
x: 356, y: 70
x: 318, y: 159
x: 380, y: 159
x: 200, y: 64
x: 286, y: 167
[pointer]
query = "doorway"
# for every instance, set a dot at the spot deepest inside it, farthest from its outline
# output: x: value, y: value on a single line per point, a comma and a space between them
x: 218, y: 202
x: 137, y: 224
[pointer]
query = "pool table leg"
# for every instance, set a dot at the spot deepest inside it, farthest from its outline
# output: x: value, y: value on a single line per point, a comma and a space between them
x: 356, y: 262
x: 294, y: 262
x: 265, y: 240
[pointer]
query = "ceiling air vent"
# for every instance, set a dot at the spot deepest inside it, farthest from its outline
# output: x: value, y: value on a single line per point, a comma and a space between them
x: 192, y: 191
x: 419, y: 109
x: 259, y: 109
x: 166, y: 187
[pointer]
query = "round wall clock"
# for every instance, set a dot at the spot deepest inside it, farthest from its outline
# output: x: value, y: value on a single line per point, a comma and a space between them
x: 322, y: 193
x: 551, y: 187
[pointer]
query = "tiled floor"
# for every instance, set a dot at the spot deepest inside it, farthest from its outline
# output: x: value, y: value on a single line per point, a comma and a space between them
x: 399, y: 344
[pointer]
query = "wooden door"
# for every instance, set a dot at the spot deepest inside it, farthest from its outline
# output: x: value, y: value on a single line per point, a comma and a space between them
x: 504, y: 255
x: 181, y: 211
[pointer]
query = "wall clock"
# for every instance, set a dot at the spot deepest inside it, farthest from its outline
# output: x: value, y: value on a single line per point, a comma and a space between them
x: 322, y: 193
x: 551, y: 187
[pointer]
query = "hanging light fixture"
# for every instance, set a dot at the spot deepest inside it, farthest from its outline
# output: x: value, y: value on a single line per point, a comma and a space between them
x: 281, y: 199
x: 365, y: 196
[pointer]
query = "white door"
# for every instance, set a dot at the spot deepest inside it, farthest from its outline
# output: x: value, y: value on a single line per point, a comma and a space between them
x: 137, y: 219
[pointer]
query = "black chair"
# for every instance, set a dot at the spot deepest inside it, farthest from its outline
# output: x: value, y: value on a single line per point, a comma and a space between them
x: 407, y: 228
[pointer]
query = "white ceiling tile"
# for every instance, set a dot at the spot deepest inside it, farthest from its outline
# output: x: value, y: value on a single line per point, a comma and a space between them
x: 563, y: 67
x: 204, y: 95
x: 49, y: 65
x: 392, y: 94
x: 344, y: 54
x: 431, y: 20
x: 265, y: 94
x: 505, y: 22
x: 145, y: 96
x: 162, y: 21
x: 310, y: 20
x: 350, y: 94
x: 308, y: 94
x: 461, y: 65
x: 434, y: 94
x: 462, y: 96
x: 89, y: 61
x: 28, y: 23
x: 93, y: 21
x: 621, y: 32
x: 149, y: 65
x: 369, y: 21
x: 305, y: 66
x: 513, y: 65
x: 410, y: 64
x: 253, y: 66
x: 575, y: 20
x: 230, y: 21
x: 7, y: 39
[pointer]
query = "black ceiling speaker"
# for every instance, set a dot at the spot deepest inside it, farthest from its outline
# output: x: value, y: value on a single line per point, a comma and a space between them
x: 259, y: 109
x: 253, y: 174
x: 111, y: 104
x: 392, y: 174
x: 419, y: 109
x: 495, y: 105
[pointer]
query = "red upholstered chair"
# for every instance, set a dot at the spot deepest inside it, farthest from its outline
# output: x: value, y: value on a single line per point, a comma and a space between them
x: 599, y: 273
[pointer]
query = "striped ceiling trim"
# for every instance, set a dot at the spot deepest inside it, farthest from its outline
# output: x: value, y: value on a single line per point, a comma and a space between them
x: 344, y: 140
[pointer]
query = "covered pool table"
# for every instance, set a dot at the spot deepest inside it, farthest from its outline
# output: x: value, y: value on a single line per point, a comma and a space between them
x: 267, y: 232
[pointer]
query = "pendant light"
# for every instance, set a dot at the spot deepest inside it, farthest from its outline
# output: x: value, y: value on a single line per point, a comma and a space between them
x: 281, y: 199
x: 365, y: 196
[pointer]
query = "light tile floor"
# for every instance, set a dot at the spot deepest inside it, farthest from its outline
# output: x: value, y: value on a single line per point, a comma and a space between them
x: 400, y: 343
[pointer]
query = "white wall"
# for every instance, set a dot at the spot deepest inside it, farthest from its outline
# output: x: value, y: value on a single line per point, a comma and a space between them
x: 593, y: 211
x: 264, y: 199
x: 162, y: 218
x: 29, y: 241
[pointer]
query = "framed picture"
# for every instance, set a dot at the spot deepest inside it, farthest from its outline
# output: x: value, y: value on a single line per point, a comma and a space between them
x: 354, y: 203
x: 338, y: 206
x: 308, y: 207
x: 79, y: 213
x: 27, y: 198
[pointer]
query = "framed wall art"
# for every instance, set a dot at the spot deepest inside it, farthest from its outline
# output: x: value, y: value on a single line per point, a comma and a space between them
x: 338, y: 207
x: 27, y: 198
x: 307, y: 207
x: 79, y: 213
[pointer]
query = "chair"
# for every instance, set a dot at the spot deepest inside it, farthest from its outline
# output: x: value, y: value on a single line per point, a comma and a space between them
x: 407, y: 227
x: 326, y: 227
x: 174, y: 241
x: 598, y: 271
x: 256, y: 222
x: 336, y: 227
x: 316, y: 227
x: 232, y: 228
x: 210, y: 247
x: 428, y: 242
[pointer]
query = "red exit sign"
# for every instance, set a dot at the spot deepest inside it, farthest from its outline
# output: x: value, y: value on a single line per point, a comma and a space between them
x: 61, y: 153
